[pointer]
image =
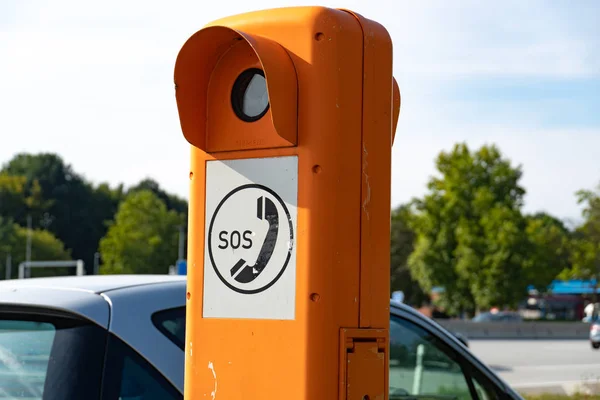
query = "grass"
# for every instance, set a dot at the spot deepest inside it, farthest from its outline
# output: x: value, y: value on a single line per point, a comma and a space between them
x: 575, y: 396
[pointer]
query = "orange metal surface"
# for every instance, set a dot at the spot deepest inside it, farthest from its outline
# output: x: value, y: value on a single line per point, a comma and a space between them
x: 397, y: 102
x: 333, y: 104
x: 377, y: 121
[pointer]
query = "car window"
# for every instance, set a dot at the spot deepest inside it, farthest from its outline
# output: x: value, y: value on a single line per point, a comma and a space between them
x: 128, y: 376
x: 24, y: 356
x: 49, y: 357
x: 422, y: 365
x: 171, y: 323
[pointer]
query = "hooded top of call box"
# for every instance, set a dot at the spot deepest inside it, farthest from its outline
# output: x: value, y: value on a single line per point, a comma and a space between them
x: 203, y: 50
x: 196, y: 62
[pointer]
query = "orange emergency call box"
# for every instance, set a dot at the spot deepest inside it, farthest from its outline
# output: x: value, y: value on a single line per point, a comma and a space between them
x: 291, y: 115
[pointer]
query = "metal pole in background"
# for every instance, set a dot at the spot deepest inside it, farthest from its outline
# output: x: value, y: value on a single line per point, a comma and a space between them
x: 96, y: 263
x: 8, y: 271
x: 28, y: 247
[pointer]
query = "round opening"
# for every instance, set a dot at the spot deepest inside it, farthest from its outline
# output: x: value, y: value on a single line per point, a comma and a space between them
x: 249, y: 96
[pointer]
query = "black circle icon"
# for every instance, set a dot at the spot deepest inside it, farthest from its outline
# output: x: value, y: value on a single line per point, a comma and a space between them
x: 270, y: 213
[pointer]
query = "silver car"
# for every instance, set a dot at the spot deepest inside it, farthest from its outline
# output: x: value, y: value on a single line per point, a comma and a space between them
x: 122, y: 337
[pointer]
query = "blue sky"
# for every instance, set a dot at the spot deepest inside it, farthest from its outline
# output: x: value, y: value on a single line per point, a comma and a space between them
x: 94, y: 83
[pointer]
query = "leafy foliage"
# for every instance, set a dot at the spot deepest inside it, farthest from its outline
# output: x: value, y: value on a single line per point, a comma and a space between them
x: 586, y: 239
x: 402, y: 245
x: 472, y: 238
x: 172, y: 202
x: 43, y: 187
x: 44, y: 247
x: 143, y: 237
x: 18, y: 198
x: 72, y: 209
x: 550, y: 251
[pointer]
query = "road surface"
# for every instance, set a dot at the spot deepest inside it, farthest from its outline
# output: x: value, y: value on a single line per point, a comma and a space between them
x: 542, y: 366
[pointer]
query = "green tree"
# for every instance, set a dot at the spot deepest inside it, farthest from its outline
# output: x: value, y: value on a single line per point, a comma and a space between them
x: 586, y: 239
x: 74, y: 210
x: 7, y: 237
x: 18, y: 199
x: 402, y: 245
x: 44, y: 247
x: 550, y: 249
x: 172, y: 202
x: 143, y: 238
x: 470, y: 233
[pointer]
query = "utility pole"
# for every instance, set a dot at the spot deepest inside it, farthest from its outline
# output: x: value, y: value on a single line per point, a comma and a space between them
x: 8, y: 271
x: 28, y: 247
x: 96, y: 263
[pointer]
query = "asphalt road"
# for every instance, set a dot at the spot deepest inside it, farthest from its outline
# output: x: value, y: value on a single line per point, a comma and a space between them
x: 542, y: 366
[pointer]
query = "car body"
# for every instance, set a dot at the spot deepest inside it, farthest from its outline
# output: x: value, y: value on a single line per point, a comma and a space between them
x: 595, y: 334
x: 498, y: 316
x: 122, y: 337
x: 83, y: 323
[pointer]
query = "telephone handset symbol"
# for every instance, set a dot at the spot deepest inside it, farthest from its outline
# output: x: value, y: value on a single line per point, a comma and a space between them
x: 271, y: 215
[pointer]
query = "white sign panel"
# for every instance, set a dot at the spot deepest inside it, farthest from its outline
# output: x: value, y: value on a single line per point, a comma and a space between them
x: 250, y: 251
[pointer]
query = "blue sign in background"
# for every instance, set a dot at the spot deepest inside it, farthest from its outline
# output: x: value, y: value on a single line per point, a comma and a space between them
x: 181, y: 267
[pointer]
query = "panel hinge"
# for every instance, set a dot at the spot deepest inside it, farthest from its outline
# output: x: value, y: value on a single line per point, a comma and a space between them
x: 363, y: 364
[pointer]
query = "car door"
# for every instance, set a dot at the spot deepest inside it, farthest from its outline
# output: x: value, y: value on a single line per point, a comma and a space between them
x: 130, y: 376
x: 147, y: 334
x: 425, y: 362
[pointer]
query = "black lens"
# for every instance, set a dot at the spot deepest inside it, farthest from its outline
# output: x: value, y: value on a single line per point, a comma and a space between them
x: 249, y: 97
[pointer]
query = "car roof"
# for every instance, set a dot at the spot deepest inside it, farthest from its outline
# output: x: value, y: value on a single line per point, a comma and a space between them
x: 90, y: 283
x: 86, y: 296
x: 123, y: 304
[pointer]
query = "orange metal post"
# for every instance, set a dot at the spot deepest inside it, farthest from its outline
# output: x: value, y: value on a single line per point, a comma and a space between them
x: 288, y: 259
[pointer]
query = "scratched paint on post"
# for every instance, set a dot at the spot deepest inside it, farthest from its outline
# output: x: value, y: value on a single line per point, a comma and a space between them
x: 250, y: 247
